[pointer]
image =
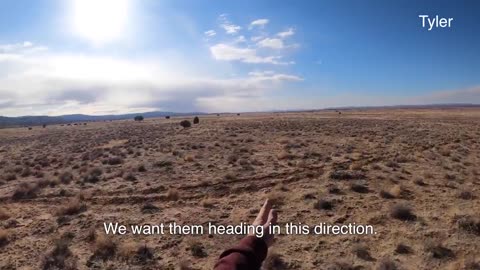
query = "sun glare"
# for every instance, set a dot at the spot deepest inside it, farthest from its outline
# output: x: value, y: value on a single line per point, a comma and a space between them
x: 100, y: 21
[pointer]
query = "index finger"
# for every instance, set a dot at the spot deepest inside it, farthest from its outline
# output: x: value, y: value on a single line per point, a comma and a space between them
x: 264, y: 211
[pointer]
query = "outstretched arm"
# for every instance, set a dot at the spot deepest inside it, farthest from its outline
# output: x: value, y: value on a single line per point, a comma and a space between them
x: 251, y: 251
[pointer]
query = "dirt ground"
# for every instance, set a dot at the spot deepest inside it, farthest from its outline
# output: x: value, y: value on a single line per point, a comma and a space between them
x: 412, y: 174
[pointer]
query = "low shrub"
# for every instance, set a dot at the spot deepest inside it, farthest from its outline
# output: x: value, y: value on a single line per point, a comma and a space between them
x: 26, y: 191
x: 402, y: 212
x: 185, y: 124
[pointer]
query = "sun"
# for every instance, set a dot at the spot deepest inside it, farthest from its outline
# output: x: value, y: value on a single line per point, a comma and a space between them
x: 100, y: 21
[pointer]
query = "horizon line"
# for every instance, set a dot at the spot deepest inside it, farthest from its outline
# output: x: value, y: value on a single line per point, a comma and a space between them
x: 265, y: 111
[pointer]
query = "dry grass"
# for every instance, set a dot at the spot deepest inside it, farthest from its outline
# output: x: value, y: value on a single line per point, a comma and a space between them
x: 93, y: 176
x: 276, y: 198
x: 208, y: 203
x: 130, y: 177
x: 60, y: 257
x: 386, y: 195
x: 4, y: 214
x: 323, y: 204
x: 274, y: 261
x: 73, y: 207
x: 403, y: 249
x: 189, y: 158
x: 359, y: 188
x: 114, y: 161
x: 346, y: 175
x: 66, y: 177
x: 469, y: 224
x: 397, y: 191
x: 91, y: 235
x: 342, y: 265
x: 26, y: 191
x: 363, y: 165
x: 185, y: 265
x: 149, y: 208
x: 466, y: 195
x: 173, y: 194
x: 4, y: 237
x: 386, y: 264
x: 438, y: 250
x: 104, y: 248
x: 285, y: 155
x: 128, y: 250
x: 402, y: 212
x: 197, y: 249
x: 141, y: 168
x: 471, y: 264
x: 10, y: 177
x: 362, y: 252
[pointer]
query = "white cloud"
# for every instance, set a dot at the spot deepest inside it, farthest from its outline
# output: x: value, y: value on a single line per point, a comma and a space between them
x: 269, y: 75
x: 9, y: 48
x: 21, y: 48
x: 260, y: 23
x: 227, y: 52
x: 56, y: 83
x: 273, y: 43
x: 285, y: 34
x: 273, y: 101
x: 240, y: 39
x: 229, y: 27
x: 266, y: 82
x: 261, y: 73
x: 250, y: 49
x: 210, y: 33
x: 38, y: 83
x: 256, y: 38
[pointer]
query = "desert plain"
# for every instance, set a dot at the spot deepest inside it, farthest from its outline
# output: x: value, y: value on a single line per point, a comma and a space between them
x: 413, y: 174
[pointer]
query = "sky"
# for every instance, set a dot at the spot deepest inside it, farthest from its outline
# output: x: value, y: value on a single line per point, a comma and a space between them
x: 122, y: 56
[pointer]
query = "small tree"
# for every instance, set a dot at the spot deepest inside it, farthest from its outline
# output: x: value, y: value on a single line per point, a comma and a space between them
x: 44, y: 125
x: 196, y: 120
x: 167, y: 117
x: 185, y: 124
x: 138, y: 118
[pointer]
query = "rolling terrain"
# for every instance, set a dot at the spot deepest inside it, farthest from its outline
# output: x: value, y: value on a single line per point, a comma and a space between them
x: 411, y: 173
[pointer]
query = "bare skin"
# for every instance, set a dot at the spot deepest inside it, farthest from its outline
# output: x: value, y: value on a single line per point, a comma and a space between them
x: 266, y: 217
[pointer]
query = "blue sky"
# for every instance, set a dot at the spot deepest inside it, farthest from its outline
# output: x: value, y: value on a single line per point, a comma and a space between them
x: 116, y: 56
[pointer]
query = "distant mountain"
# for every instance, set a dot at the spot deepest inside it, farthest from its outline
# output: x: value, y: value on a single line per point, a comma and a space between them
x: 72, y: 118
x: 425, y: 106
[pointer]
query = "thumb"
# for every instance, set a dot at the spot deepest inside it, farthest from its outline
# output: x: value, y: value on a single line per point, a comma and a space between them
x: 272, y: 220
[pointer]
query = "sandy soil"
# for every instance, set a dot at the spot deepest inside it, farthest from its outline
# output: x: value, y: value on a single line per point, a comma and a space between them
x: 413, y: 174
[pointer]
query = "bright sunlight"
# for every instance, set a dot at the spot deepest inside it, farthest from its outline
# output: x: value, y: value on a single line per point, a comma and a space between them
x: 100, y: 21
